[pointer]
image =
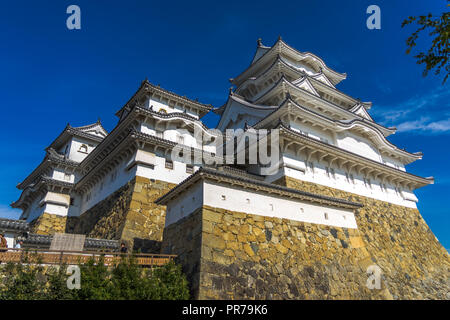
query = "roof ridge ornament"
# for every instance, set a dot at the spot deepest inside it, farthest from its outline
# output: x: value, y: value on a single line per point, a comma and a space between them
x: 259, y: 42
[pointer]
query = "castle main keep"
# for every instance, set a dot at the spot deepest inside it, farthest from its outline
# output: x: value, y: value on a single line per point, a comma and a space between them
x: 337, y: 208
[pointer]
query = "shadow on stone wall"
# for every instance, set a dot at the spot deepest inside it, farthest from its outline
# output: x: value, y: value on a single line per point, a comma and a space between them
x: 129, y: 215
x: 146, y: 245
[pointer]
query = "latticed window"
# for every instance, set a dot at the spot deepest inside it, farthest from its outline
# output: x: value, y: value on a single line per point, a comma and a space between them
x: 169, y: 164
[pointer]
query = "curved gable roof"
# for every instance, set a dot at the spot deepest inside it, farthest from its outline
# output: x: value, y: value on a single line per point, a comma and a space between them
x: 306, y: 57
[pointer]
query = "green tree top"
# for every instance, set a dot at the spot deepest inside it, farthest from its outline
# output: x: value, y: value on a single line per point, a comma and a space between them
x: 437, y: 55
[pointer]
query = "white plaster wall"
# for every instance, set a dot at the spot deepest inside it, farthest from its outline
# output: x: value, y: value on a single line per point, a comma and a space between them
x: 358, y: 145
x: 105, y: 187
x: 293, y: 163
x: 61, y: 175
x: 126, y: 171
x: 56, y: 209
x: 393, y: 163
x: 60, y: 198
x: 313, y: 132
x: 259, y: 203
x: 159, y: 105
x: 253, y: 202
x: 160, y: 172
x: 172, y: 133
x: 185, y: 204
x: 75, y: 145
x: 339, y: 181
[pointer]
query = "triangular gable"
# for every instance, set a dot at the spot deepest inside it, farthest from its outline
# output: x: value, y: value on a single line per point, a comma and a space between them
x: 323, y: 78
x: 95, y: 129
x: 361, y: 111
x: 305, y: 84
x: 237, y: 109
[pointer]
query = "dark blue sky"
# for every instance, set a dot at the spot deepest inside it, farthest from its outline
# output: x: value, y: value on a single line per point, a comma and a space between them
x: 50, y: 75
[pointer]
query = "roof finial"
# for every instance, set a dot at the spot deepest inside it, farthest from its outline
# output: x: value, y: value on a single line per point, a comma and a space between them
x: 99, y: 120
x: 259, y: 42
x: 230, y: 90
x: 279, y: 37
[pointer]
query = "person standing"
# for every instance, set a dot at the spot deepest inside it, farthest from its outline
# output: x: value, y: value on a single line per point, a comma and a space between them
x: 3, y: 242
x: 123, y: 248
x: 19, y: 244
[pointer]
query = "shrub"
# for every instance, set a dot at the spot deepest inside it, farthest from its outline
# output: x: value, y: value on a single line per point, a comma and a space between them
x: 124, y: 281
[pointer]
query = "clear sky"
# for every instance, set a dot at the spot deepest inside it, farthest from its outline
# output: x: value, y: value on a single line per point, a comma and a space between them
x: 50, y: 75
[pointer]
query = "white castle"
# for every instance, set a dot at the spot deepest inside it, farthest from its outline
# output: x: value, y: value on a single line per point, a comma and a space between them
x: 326, y: 137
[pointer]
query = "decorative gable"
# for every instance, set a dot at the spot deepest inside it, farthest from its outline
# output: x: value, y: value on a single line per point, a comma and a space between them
x: 361, y: 111
x: 95, y: 129
x: 323, y: 78
x: 305, y: 84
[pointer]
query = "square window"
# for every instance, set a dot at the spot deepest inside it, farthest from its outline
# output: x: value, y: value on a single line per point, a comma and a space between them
x: 169, y: 164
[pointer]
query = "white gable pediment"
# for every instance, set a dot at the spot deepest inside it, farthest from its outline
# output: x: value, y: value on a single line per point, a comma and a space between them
x: 95, y: 129
x: 361, y: 111
x: 305, y: 84
x: 322, y: 78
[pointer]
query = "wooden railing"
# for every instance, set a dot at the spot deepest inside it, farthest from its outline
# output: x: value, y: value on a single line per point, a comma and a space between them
x: 54, y: 257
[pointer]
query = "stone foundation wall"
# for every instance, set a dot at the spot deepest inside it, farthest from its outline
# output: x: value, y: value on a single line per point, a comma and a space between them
x: 144, y: 223
x: 129, y: 215
x: 399, y: 240
x: 48, y: 224
x: 184, y: 238
x: 236, y: 255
